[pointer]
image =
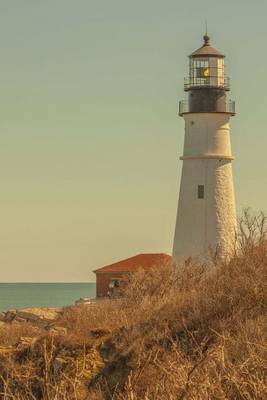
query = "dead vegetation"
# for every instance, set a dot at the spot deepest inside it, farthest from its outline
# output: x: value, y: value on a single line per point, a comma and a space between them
x: 180, y: 333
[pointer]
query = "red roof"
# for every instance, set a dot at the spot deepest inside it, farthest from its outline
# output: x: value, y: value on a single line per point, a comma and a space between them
x: 144, y: 261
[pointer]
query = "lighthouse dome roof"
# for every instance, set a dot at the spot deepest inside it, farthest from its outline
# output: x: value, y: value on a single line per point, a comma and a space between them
x: 206, y: 50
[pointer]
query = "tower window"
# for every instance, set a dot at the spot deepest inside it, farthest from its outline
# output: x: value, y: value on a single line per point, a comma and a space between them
x: 200, y: 192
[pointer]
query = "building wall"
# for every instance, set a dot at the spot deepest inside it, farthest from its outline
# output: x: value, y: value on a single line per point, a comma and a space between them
x: 209, y: 224
x: 207, y: 134
x: 103, y: 280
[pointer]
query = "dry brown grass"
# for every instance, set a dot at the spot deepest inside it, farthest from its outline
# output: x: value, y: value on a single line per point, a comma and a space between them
x: 179, y: 333
x: 11, y: 334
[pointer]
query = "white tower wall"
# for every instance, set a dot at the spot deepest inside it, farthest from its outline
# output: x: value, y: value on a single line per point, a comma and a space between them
x: 208, y: 224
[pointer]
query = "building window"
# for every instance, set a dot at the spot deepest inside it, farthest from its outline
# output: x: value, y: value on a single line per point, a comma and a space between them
x: 115, y: 283
x: 200, y: 192
x: 114, y: 291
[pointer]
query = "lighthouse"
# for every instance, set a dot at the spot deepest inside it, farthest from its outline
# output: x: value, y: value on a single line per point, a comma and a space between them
x: 206, y: 216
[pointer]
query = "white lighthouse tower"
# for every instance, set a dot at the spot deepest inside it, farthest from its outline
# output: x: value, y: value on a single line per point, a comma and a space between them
x: 206, y: 217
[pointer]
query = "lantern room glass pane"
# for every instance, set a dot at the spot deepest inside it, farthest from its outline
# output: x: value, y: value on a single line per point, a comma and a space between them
x: 199, y: 71
x: 207, y: 71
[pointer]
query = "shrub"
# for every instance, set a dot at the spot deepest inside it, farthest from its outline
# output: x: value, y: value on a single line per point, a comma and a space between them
x: 180, y: 332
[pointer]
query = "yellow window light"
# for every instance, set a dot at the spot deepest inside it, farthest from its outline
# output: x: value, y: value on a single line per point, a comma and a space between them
x: 206, y: 73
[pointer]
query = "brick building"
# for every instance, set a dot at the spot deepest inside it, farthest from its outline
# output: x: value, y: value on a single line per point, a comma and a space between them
x: 110, y: 278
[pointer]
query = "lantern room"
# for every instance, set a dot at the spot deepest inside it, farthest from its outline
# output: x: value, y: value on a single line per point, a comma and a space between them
x: 206, y: 84
x: 206, y: 68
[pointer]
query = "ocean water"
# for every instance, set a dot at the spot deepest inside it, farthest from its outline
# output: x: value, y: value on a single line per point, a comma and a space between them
x: 23, y: 295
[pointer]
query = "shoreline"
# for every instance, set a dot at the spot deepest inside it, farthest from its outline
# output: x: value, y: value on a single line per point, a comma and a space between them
x: 41, y: 317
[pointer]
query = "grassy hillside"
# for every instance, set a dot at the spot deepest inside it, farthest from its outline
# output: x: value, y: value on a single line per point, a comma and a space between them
x: 179, y: 333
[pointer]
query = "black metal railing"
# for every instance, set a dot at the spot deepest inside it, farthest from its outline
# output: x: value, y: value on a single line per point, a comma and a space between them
x: 229, y: 107
x: 211, y: 81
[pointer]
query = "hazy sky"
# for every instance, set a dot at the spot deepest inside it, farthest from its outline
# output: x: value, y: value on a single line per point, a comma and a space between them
x: 89, y: 132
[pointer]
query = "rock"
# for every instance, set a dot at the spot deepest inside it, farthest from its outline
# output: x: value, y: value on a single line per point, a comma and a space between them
x: 58, y: 330
x: 40, y: 317
x: 33, y: 314
x: 10, y: 315
x: 2, y: 325
x: 26, y: 316
x: 19, y: 319
x: 83, y: 301
x: 26, y: 342
x: 2, y: 316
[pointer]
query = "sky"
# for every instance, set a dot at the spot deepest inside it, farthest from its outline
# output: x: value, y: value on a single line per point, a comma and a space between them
x: 89, y: 133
